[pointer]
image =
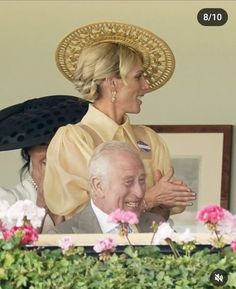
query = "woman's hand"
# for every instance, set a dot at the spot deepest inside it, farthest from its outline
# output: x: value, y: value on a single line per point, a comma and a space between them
x: 169, y: 193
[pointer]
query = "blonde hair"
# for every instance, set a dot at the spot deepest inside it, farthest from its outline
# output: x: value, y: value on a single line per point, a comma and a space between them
x: 98, y: 62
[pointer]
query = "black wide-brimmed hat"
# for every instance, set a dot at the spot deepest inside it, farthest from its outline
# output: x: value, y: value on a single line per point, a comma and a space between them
x: 35, y: 121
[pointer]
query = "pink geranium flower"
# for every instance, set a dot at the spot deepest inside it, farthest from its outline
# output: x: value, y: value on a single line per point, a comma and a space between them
x: 228, y: 224
x: 22, y: 211
x: 233, y: 245
x: 65, y: 243
x: 105, y: 245
x: 211, y: 214
x: 104, y: 248
x: 30, y: 234
x: 23, y: 216
x: 123, y: 217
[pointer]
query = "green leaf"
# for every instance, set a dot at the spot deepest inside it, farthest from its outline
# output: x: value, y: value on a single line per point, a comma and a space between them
x: 232, y: 280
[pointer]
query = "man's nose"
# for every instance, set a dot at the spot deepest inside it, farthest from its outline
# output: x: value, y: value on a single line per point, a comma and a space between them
x: 139, y: 190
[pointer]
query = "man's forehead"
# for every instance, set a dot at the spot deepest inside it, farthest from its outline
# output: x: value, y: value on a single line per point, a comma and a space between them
x: 132, y: 176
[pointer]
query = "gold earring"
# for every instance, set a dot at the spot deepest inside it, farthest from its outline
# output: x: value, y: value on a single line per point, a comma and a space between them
x: 113, y: 96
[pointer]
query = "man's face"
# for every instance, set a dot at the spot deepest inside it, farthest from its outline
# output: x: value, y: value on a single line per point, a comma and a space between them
x: 125, y: 185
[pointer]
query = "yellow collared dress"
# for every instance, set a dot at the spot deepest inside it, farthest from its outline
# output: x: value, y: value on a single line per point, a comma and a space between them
x: 66, y: 177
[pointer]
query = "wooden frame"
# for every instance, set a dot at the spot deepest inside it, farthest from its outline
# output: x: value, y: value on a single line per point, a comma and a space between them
x: 226, y: 130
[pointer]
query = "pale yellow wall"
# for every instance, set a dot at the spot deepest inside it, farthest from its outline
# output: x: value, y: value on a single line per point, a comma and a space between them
x: 202, y: 90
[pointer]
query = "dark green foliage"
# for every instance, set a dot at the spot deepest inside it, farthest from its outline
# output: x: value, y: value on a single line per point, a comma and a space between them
x: 139, y: 268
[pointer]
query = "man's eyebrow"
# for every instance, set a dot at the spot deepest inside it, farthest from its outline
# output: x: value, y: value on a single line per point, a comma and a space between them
x: 132, y: 177
x: 126, y: 178
x: 143, y: 175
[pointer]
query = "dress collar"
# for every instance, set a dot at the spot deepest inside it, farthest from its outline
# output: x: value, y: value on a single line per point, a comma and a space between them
x: 103, y: 124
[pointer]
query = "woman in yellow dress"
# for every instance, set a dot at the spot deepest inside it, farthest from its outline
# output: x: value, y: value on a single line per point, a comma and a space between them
x: 113, y: 65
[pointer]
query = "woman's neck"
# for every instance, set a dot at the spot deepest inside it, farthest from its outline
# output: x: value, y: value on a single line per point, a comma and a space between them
x: 109, y: 109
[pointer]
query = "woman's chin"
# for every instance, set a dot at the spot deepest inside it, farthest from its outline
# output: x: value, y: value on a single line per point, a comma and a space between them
x: 135, y: 110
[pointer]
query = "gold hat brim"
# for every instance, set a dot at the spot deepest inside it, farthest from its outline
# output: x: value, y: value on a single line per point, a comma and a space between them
x: 159, y: 61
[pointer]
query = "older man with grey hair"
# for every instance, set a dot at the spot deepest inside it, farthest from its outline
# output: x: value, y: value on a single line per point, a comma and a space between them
x: 117, y: 180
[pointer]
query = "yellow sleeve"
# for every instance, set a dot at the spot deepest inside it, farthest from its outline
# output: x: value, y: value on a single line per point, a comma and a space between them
x: 66, y: 176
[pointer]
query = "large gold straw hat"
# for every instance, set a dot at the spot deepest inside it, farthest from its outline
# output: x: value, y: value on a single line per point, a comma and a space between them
x: 159, y: 61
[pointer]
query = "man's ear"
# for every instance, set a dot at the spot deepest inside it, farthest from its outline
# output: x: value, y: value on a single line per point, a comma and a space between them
x: 97, y: 187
